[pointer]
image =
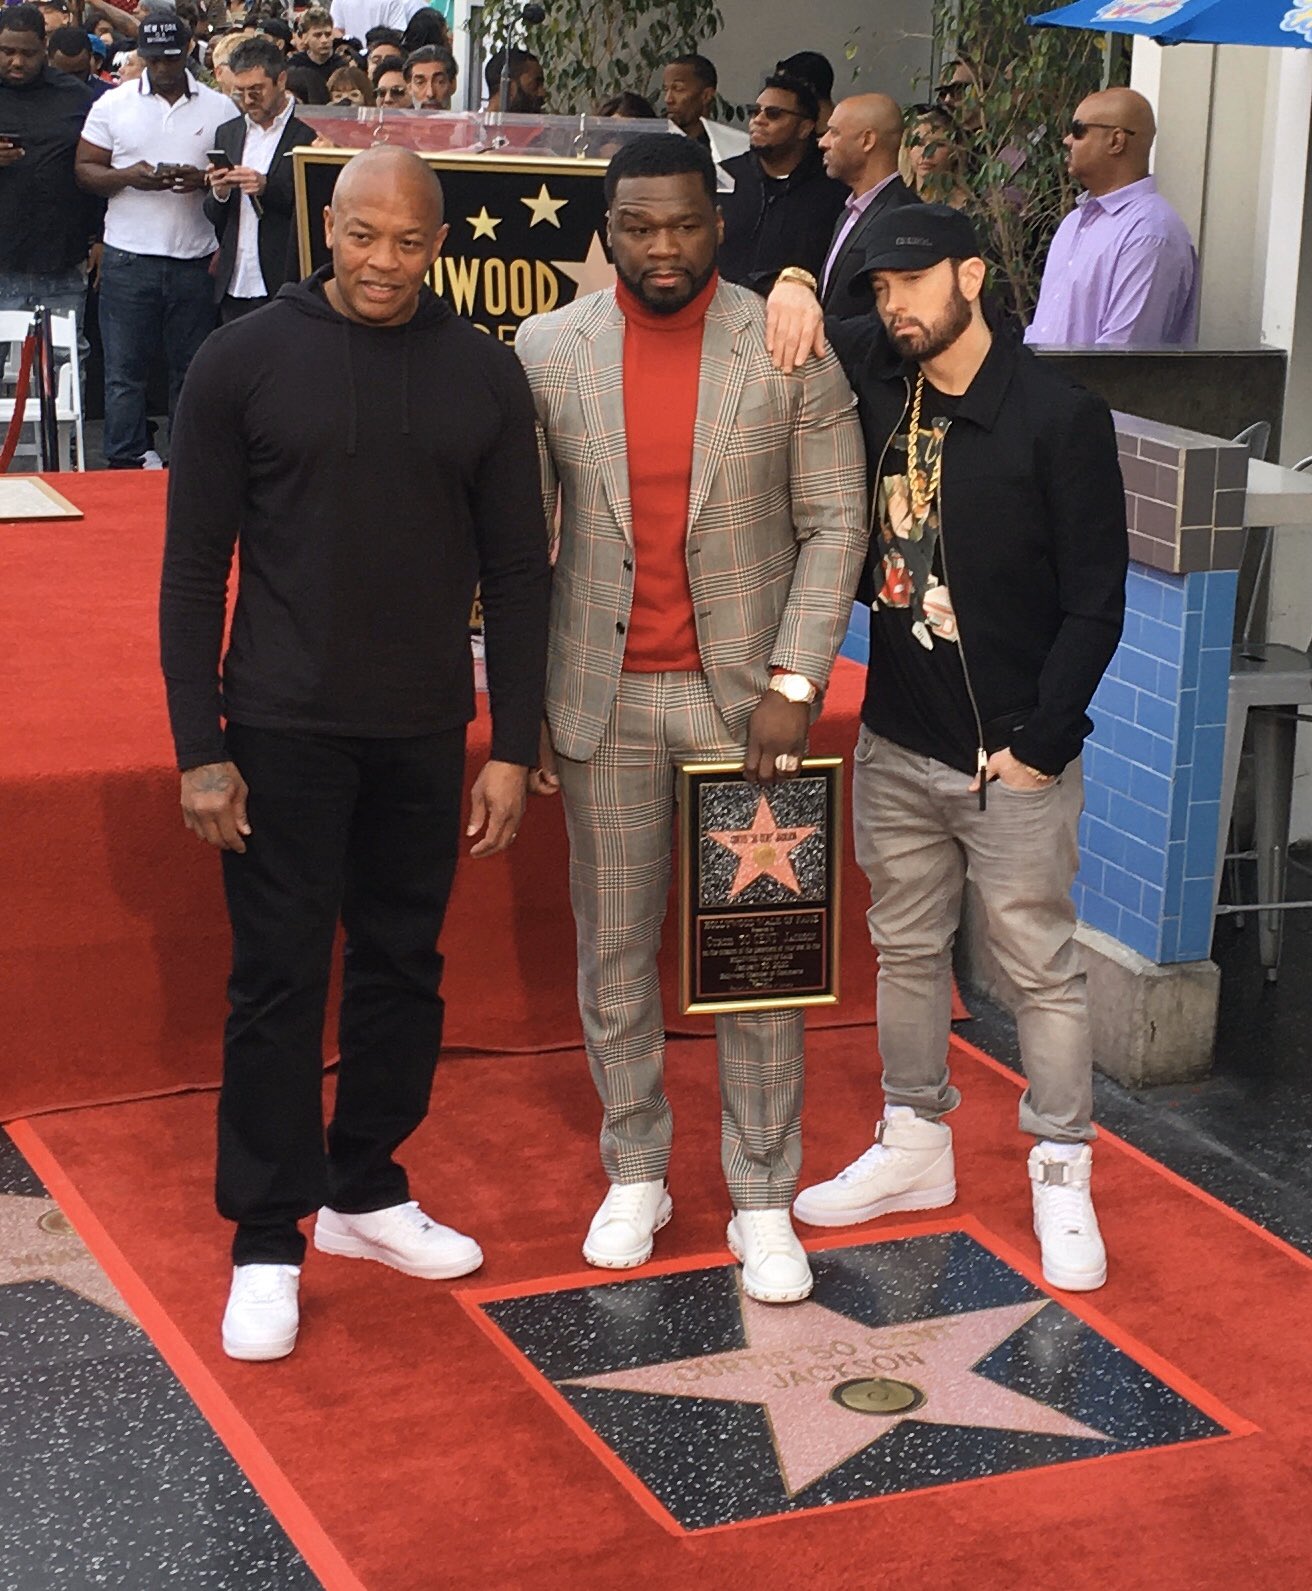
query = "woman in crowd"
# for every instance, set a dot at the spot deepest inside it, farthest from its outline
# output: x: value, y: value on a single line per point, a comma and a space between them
x: 220, y: 50
x: 932, y: 157
x: 350, y: 86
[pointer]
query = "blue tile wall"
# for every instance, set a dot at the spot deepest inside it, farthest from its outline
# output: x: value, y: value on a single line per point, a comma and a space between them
x: 1152, y: 767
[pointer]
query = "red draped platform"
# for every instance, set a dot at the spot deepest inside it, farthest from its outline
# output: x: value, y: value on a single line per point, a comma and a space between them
x: 113, y: 941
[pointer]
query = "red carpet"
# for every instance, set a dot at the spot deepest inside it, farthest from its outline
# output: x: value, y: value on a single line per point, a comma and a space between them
x: 404, y: 1450
x: 113, y: 942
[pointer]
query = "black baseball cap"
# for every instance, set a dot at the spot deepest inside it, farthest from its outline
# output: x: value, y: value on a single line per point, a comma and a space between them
x: 160, y: 38
x: 913, y: 237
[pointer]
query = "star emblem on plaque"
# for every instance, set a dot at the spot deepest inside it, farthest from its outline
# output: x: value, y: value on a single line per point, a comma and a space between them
x: 759, y: 887
x: 918, y: 1362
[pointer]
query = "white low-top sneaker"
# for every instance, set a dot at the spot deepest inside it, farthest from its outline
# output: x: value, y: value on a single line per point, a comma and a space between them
x: 263, y: 1313
x: 1065, y: 1224
x: 622, y: 1230
x: 401, y: 1236
x: 775, y: 1267
x: 908, y: 1167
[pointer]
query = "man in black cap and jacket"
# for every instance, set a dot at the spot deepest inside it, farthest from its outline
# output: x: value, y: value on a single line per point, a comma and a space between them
x: 371, y: 456
x: 783, y: 205
x: 996, y: 579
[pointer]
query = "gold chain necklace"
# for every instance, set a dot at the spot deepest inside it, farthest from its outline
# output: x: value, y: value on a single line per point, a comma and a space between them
x: 921, y: 502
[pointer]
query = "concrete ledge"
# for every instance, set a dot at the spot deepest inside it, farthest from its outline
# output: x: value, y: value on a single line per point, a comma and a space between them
x: 1151, y: 1024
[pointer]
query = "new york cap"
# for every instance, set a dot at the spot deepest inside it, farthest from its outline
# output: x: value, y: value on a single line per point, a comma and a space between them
x: 914, y: 237
x: 160, y: 37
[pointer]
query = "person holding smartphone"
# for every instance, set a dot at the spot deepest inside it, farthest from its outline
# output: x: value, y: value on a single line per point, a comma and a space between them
x: 251, y: 202
x: 143, y: 149
x: 47, y: 224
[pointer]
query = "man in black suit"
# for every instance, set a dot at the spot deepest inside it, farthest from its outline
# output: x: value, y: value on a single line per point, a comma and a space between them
x: 251, y: 204
x: 861, y: 146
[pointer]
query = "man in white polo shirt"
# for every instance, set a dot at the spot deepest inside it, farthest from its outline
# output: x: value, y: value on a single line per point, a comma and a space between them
x: 144, y: 148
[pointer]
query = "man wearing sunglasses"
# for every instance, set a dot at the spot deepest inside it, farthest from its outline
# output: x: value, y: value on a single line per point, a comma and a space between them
x: 1122, y: 270
x: 784, y: 205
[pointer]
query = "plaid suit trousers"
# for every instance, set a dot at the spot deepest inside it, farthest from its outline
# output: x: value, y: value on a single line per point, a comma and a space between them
x: 619, y: 810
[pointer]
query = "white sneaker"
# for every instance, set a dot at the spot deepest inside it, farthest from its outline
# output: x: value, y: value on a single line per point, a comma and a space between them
x: 401, y: 1236
x: 1074, y: 1258
x: 775, y: 1267
x: 150, y: 460
x: 263, y: 1313
x: 908, y: 1167
x: 621, y: 1233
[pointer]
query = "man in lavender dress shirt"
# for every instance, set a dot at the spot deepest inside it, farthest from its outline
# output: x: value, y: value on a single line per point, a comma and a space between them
x: 1122, y: 270
x: 860, y: 147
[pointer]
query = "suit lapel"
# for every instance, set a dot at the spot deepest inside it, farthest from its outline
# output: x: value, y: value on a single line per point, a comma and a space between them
x: 855, y: 238
x: 600, y: 361
x: 723, y: 372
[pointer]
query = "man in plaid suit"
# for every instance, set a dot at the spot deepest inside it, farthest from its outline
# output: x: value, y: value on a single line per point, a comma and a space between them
x: 712, y: 532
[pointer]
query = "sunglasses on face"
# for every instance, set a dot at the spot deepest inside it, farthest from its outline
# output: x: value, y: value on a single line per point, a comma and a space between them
x: 394, y: 93
x: 952, y: 90
x: 773, y: 113
x: 1081, y: 129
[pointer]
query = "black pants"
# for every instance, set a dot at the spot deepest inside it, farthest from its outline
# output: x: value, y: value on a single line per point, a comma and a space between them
x: 366, y: 831
x: 231, y: 308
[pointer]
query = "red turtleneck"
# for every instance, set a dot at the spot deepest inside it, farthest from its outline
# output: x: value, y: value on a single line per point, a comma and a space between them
x: 662, y: 375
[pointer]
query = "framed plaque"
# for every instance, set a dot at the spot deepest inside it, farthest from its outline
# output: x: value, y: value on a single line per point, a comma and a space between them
x: 759, y: 882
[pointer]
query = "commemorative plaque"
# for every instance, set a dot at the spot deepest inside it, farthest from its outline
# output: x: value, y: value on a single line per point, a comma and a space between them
x: 759, y: 880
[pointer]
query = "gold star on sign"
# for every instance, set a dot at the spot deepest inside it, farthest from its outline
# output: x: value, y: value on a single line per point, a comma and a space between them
x: 484, y: 225
x: 544, y: 207
x: 592, y: 274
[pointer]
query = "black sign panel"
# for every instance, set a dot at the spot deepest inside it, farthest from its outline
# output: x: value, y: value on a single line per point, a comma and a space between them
x: 526, y: 235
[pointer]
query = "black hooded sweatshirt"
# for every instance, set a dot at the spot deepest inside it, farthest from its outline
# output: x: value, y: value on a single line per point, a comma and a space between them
x: 369, y: 477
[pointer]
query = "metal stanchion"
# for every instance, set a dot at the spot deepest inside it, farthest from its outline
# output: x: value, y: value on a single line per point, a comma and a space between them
x: 46, y: 391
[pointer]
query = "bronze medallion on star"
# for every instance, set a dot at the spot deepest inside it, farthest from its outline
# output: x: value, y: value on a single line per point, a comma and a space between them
x: 918, y: 1361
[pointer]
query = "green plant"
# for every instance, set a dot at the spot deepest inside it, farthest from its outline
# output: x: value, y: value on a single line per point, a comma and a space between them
x: 591, y: 49
x: 1026, y: 85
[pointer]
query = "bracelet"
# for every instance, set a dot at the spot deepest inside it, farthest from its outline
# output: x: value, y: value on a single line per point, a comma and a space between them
x: 795, y: 273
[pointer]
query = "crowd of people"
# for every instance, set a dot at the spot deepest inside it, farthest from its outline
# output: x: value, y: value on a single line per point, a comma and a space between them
x: 174, y: 201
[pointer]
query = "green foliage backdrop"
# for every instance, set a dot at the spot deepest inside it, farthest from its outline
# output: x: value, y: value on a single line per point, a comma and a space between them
x: 591, y: 49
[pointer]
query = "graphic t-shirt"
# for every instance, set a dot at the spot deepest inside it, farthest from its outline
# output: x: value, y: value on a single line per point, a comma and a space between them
x: 916, y: 690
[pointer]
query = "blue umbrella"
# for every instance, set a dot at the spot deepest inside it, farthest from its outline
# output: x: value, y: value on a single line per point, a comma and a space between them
x: 1273, y: 23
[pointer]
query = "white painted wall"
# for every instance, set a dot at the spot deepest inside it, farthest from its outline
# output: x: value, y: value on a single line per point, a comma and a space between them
x: 892, y: 38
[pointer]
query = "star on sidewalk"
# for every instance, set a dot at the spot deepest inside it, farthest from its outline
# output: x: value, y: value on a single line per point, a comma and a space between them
x: 485, y: 225
x: 592, y: 274
x: 763, y: 851
x: 544, y: 207
x: 831, y: 1386
x: 38, y: 1244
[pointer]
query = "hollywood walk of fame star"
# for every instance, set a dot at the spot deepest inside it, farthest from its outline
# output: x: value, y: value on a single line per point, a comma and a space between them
x: 544, y: 208
x: 763, y: 851
x: 37, y: 1244
x: 484, y: 225
x: 797, y: 1358
x: 592, y: 274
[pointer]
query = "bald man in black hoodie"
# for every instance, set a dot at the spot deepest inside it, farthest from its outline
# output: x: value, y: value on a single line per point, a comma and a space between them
x: 372, y: 457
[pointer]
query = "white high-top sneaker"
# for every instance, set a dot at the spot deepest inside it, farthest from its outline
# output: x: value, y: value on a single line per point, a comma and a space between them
x: 263, y: 1313
x: 908, y: 1167
x: 622, y: 1230
x: 1065, y: 1224
x: 401, y: 1236
x: 775, y: 1267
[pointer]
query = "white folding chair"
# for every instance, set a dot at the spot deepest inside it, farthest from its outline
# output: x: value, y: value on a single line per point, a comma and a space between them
x: 14, y: 327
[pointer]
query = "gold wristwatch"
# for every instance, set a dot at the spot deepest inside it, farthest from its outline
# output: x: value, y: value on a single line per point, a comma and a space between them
x: 795, y: 273
x: 795, y: 688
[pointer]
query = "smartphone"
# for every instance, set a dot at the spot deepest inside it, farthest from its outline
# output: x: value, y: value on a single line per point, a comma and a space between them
x: 217, y: 157
x: 14, y: 140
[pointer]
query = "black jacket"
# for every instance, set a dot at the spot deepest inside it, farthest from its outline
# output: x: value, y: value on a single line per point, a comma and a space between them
x: 1032, y: 509
x: 841, y: 297
x: 46, y: 222
x: 277, y: 241
x: 769, y: 224
x: 369, y: 476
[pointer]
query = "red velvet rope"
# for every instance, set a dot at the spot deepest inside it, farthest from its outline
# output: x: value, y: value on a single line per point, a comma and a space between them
x: 20, y: 403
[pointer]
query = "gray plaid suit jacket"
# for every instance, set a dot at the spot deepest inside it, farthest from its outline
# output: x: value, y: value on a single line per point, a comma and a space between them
x: 777, y: 529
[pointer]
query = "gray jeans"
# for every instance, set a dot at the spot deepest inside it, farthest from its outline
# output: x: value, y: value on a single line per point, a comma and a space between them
x: 919, y: 835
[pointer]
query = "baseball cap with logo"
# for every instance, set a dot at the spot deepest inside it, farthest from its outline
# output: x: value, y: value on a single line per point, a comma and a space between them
x: 162, y: 37
x: 914, y: 237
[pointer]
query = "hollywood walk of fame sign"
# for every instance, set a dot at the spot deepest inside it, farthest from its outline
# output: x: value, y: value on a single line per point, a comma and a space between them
x: 527, y: 234
x: 759, y: 876
x: 919, y: 1361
